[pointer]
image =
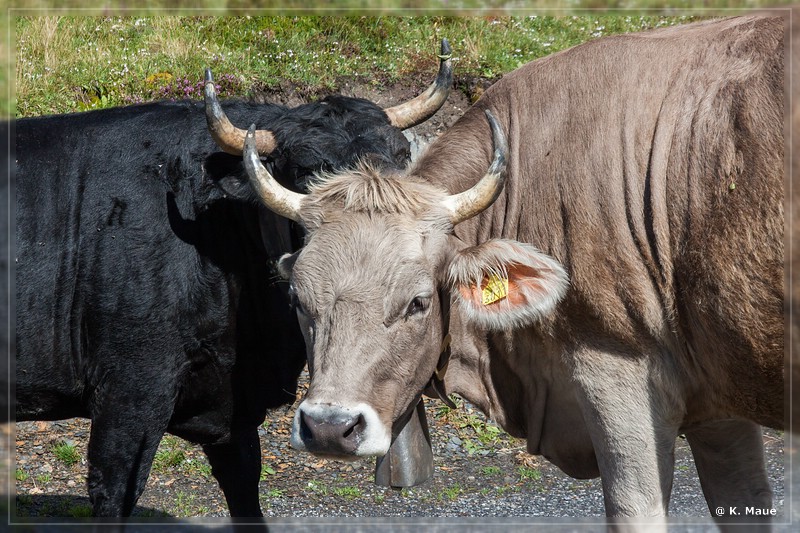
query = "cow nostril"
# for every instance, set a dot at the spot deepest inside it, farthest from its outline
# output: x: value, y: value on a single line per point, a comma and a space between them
x: 356, y: 428
x: 306, y: 432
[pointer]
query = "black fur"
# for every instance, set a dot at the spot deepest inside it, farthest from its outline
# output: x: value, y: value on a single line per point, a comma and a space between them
x: 144, y: 290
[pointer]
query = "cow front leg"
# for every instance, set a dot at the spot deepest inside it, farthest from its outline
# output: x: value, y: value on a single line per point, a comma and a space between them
x: 237, y: 467
x: 127, y: 426
x: 634, y: 441
x: 729, y: 456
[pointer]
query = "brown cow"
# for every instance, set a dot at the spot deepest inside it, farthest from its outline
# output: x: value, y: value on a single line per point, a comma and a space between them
x: 616, y: 277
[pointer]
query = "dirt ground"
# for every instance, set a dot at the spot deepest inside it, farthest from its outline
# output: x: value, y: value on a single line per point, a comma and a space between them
x: 479, y: 470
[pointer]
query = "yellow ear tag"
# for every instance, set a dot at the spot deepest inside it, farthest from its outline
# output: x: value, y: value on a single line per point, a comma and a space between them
x: 496, y: 289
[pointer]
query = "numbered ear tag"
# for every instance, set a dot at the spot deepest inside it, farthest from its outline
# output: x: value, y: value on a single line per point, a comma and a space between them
x: 496, y: 289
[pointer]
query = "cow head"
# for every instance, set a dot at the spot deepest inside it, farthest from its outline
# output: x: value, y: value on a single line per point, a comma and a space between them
x: 330, y: 134
x: 372, y: 285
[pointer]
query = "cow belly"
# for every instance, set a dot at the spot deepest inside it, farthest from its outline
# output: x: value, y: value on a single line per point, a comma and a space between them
x: 733, y: 319
x: 204, y: 408
x: 565, y: 439
x: 47, y: 385
x: 35, y: 402
x: 212, y: 426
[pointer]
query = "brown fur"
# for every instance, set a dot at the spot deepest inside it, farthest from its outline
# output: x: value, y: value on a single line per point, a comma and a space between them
x: 629, y: 187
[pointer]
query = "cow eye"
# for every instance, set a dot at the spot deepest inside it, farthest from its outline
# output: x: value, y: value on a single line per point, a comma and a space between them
x: 294, y: 301
x: 418, y: 305
x: 299, y: 307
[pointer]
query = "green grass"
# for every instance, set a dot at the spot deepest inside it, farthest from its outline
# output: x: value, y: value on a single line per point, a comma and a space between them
x: 197, y: 467
x: 276, y: 493
x: 168, y: 459
x: 66, y: 453
x: 80, y: 511
x: 20, y: 475
x: 491, y: 470
x: 186, y: 505
x: 170, y: 455
x: 74, y: 63
x: 318, y: 488
x: 476, y: 433
x: 528, y: 474
x: 350, y: 493
x: 174, y: 456
x: 450, y: 493
x: 266, y: 471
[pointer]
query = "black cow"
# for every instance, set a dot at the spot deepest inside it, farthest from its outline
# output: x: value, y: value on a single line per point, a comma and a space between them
x: 146, y: 297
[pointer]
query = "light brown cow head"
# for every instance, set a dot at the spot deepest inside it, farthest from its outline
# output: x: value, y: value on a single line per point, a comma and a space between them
x: 379, y: 252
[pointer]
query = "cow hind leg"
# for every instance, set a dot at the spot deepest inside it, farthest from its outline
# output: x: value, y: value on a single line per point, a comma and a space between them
x: 729, y: 456
x: 237, y: 467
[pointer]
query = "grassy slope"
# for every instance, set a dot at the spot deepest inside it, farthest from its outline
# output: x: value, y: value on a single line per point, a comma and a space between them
x: 71, y: 63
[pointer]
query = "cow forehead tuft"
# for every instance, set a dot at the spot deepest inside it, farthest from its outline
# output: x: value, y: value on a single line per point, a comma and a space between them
x: 366, y: 189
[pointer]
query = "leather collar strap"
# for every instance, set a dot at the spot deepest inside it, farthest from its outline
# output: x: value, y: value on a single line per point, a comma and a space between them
x: 436, y: 384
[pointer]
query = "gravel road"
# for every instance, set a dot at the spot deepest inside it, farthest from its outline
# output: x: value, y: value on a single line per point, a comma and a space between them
x: 479, y: 472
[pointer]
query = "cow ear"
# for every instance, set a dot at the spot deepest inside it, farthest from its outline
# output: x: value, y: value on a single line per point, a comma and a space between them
x: 286, y: 264
x: 227, y: 172
x: 238, y: 188
x: 503, y: 284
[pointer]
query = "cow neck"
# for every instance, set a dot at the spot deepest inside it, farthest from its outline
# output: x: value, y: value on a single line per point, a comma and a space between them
x: 436, y: 385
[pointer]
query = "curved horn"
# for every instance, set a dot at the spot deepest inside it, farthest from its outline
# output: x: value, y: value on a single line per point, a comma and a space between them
x: 226, y: 135
x: 423, y: 107
x: 469, y: 203
x: 274, y: 195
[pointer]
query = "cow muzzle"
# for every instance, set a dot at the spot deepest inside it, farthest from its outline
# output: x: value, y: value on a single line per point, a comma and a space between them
x: 342, y: 432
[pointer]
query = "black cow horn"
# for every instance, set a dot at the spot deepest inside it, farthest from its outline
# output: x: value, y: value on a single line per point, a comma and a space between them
x: 421, y: 108
x: 274, y: 195
x: 227, y: 136
x: 480, y: 196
